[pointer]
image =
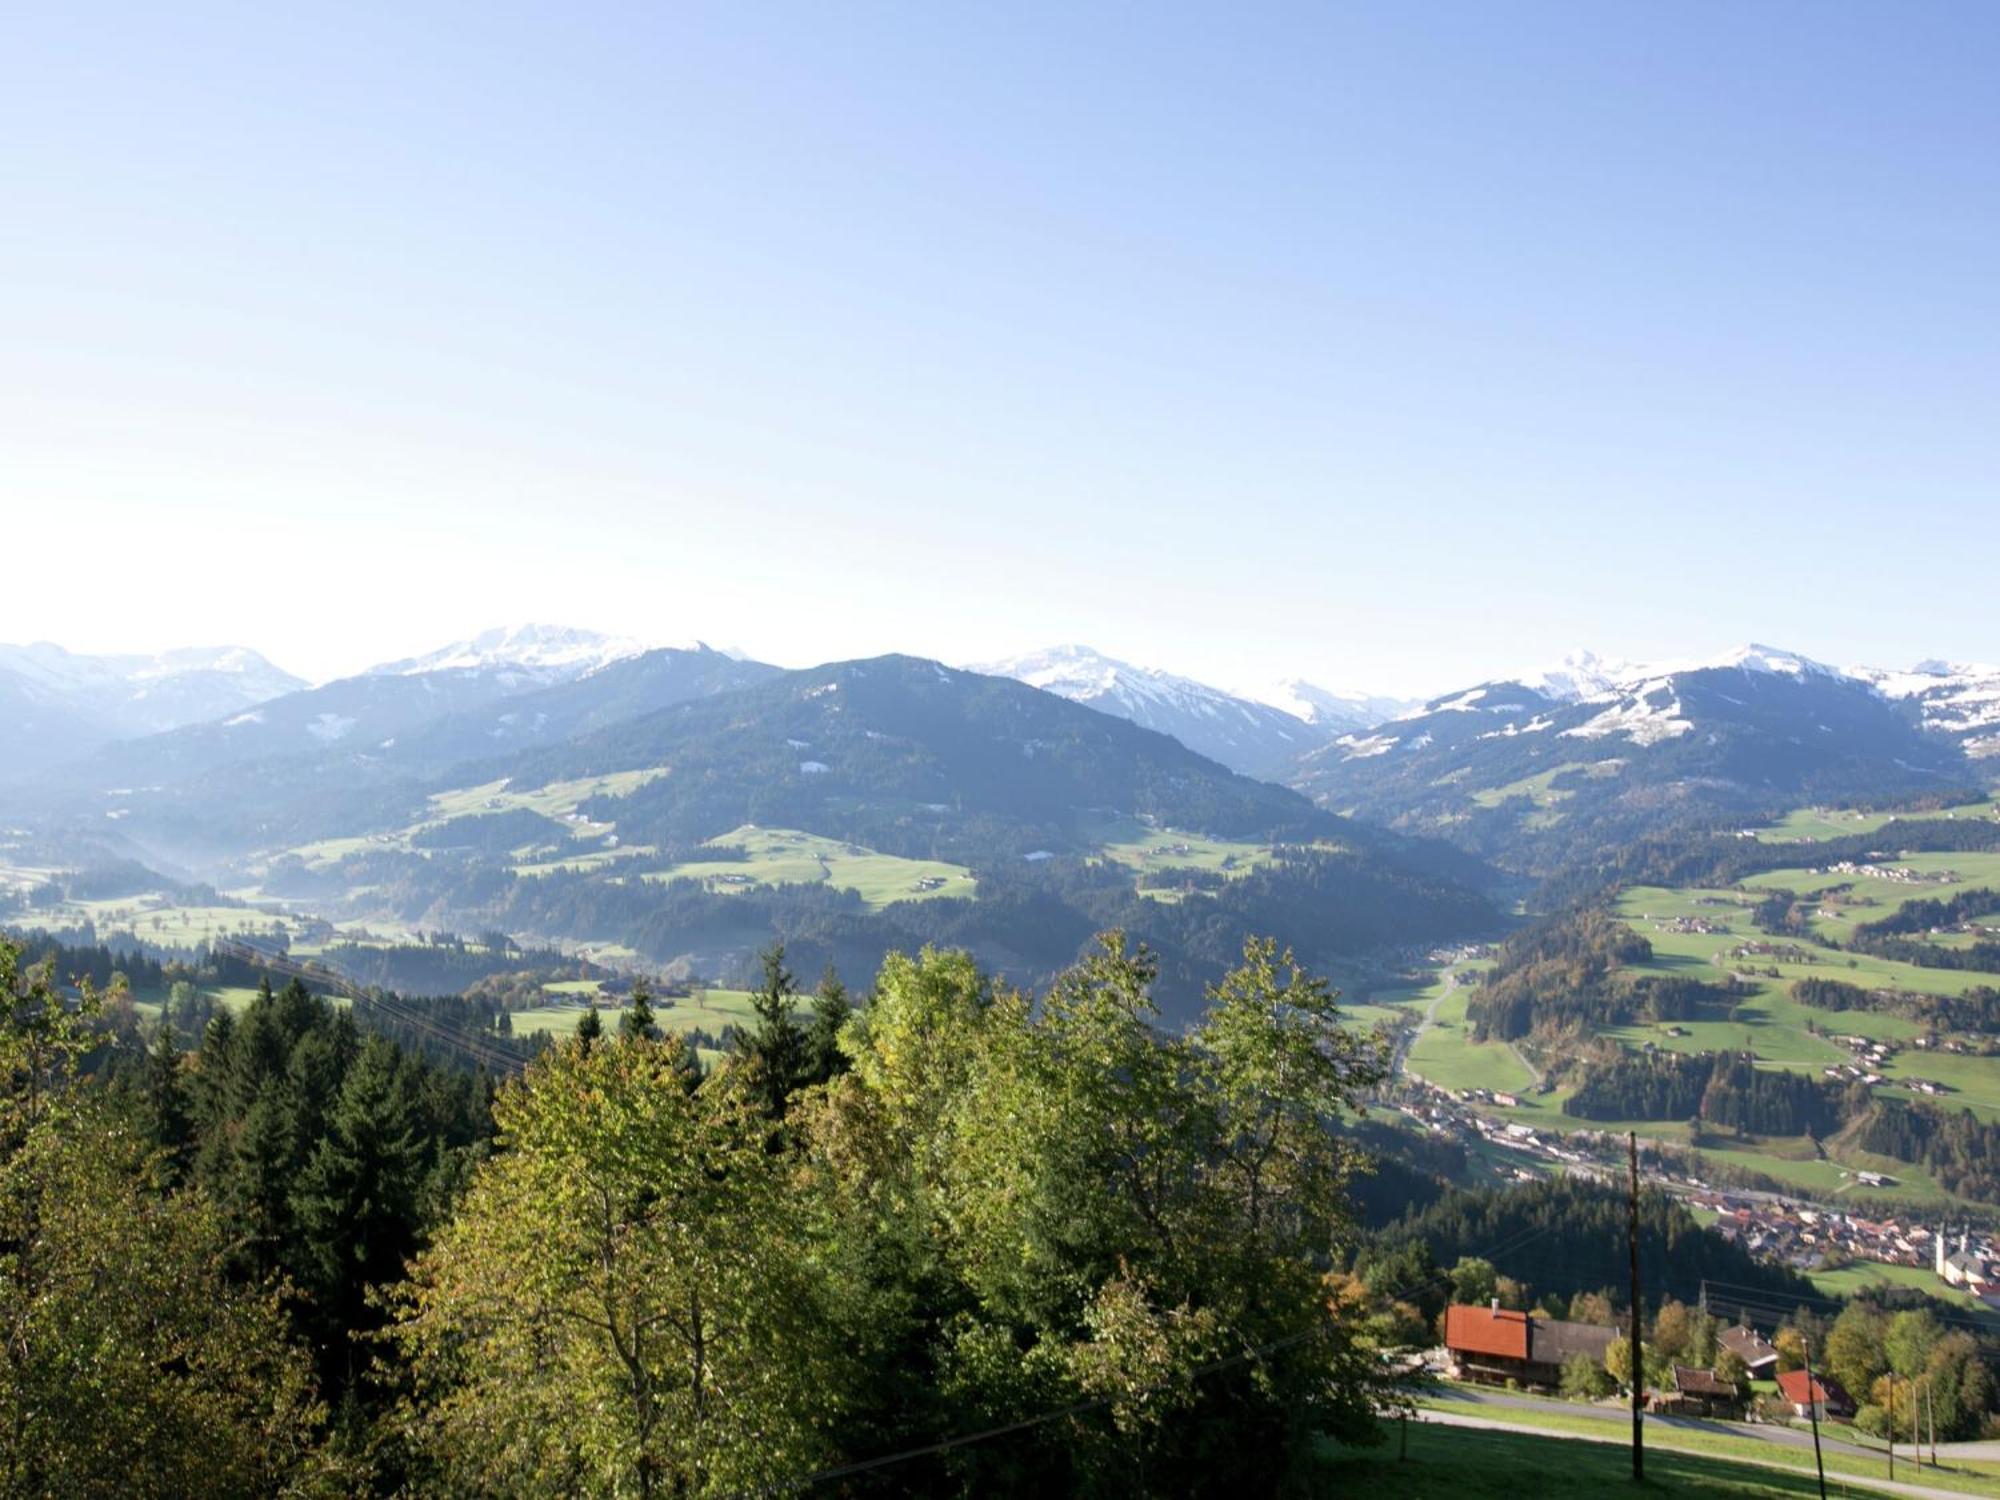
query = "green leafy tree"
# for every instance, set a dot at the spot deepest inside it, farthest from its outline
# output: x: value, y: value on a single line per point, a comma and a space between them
x: 1909, y: 1340
x: 130, y: 1362
x: 1729, y: 1366
x: 1474, y: 1282
x: 621, y: 1305
x: 1618, y: 1360
x: 1855, y: 1354
x: 1584, y: 1379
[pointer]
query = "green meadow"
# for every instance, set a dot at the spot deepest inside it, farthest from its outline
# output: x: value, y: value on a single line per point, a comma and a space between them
x: 786, y: 856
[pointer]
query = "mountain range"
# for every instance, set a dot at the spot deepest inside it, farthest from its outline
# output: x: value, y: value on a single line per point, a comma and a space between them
x: 524, y: 776
x: 1572, y: 759
x: 58, y: 704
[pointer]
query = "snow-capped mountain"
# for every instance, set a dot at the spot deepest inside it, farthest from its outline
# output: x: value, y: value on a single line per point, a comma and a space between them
x: 61, y: 704
x: 133, y: 695
x: 549, y: 653
x: 1590, y: 749
x: 1243, y: 735
x: 1324, y: 708
x: 1960, y: 700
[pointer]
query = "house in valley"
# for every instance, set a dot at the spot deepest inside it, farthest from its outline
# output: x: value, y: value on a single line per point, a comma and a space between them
x: 1497, y: 1344
x: 1824, y: 1393
x: 1759, y: 1354
x: 1698, y: 1393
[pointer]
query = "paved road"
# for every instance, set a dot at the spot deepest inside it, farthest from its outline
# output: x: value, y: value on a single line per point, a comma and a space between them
x: 1784, y: 1437
x: 1873, y: 1486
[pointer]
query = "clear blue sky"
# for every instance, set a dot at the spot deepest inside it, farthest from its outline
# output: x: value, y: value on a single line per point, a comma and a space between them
x: 1390, y: 345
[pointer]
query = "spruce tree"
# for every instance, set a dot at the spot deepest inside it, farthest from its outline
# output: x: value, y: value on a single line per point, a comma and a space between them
x: 589, y: 1028
x: 636, y: 1025
x: 823, y: 1058
x: 775, y: 1048
x: 169, y: 1110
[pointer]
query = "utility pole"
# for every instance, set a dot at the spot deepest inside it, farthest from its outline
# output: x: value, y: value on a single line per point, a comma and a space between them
x: 1812, y: 1409
x: 1638, y: 1360
x: 1930, y: 1415
x: 1892, y: 1427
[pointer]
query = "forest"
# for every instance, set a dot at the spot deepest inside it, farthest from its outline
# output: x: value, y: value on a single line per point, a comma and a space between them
x: 343, y: 1268
x: 1562, y: 973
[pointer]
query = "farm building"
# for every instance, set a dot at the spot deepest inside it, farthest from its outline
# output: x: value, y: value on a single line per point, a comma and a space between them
x: 1759, y: 1354
x: 1493, y: 1343
x: 1827, y: 1395
x: 1698, y: 1393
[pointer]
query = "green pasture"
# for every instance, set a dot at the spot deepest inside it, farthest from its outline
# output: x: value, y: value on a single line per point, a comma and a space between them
x: 786, y: 856
x: 1818, y: 824
x: 1143, y: 848
x: 1445, y: 1053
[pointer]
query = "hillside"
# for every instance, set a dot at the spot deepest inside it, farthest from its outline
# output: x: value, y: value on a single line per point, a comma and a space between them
x: 61, y: 704
x: 1538, y: 772
x: 849, y: 809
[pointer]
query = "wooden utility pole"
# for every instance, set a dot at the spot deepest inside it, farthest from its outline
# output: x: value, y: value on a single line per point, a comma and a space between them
x: 1638, y: 1359
x: 1892, y: 1427
x: 1930, y: 1416
x: 1812, y: 1410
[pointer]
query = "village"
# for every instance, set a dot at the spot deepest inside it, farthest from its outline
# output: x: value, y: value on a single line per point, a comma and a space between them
x: 1800, y: 1233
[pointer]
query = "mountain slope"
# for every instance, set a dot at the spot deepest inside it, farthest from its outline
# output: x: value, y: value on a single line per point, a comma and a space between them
x: 1332, y: 712
x: 1063, y: 820
x: 1246, y: 736
x: 61, y: 704
x: 1534, y: 772
x: 1959, y: 701
x: 349, y: 755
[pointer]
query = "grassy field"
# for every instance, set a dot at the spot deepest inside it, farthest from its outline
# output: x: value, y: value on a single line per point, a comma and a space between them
x: 706, y: 1010
x: 1851, y: 1279
x: 1816, y: 824
x: 1769, y: 1022
x: 1447, y: 1056
x: 1765, y: 1021
x: 1721, y: 1443
x: 1145, y: 849
x: 1473, y: 1464
x: 785, y: 856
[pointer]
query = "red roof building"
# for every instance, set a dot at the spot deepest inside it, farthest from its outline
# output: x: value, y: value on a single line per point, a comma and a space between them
x: 1493, y: 1332
x: 1826, y: 1392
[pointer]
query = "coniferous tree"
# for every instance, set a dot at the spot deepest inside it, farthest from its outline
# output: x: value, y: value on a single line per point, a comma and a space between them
x: 775, y: 1049
x: 636, y: 1024
x: 823, y: 1058
x: 169, y: 1109
x: 589, y: 1028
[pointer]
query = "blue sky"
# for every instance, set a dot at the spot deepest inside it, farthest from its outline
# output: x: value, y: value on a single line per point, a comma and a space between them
x: 1389, y: 345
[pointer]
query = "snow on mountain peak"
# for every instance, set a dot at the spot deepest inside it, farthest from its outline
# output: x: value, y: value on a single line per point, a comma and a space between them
x: 1325, y: 708
x: 558, y: 649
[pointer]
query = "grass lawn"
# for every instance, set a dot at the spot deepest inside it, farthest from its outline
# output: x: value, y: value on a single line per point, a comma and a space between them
x: 1668, y: 1444
x: 786, y: 856
x: 1473, y: 1464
